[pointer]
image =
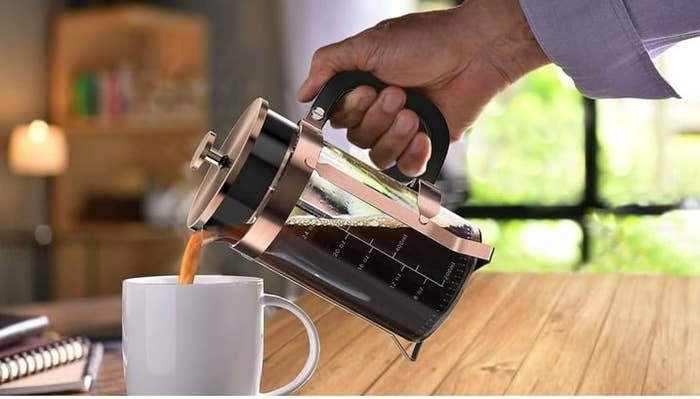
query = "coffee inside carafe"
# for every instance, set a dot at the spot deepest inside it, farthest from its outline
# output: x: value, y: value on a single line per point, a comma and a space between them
x: 371, y: 265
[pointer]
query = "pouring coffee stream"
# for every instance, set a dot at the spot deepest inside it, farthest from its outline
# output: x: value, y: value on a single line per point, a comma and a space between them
x: 377, y: 244
x: 189, y: 265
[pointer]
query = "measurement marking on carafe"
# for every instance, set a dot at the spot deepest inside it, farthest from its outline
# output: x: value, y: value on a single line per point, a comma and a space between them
x: 399, y: 245
x: 403, y: 265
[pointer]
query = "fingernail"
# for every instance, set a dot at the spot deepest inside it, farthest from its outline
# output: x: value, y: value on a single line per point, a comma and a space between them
x: 415, y: 148
x: 404, y: 124
x: 392, y: 103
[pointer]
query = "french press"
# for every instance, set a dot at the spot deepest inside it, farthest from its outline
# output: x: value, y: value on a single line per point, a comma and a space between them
x: 377, y: 244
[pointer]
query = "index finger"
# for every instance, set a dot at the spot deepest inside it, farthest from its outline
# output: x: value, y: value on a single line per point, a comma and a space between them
x: 326, y: 62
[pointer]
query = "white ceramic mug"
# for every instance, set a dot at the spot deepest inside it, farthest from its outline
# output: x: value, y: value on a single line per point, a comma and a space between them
x: 204, y: 338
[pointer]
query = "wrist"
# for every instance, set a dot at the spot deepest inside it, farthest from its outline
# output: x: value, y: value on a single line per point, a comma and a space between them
x: 505, y: 39
x: 526, y: 48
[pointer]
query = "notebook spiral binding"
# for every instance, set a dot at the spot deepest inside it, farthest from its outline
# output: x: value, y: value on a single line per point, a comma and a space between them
x: 43, y: 358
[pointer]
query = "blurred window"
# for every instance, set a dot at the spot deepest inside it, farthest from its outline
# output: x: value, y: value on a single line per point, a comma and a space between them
x: 527, y: 146
x: 647, y: 244
x: 650, y: 157
x: 528, y: 190
x: 650, y: 149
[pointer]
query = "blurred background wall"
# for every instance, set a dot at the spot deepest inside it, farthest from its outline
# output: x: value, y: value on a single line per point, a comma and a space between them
x: 24, y: 30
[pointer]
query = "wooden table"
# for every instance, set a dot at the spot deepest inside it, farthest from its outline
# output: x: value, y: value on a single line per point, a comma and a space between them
x: 511, y: 334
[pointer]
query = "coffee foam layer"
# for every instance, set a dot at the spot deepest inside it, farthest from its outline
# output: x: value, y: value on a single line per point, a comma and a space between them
x: 346, y: 221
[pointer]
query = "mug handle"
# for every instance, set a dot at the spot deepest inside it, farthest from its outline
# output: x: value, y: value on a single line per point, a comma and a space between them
x: 314, y: 343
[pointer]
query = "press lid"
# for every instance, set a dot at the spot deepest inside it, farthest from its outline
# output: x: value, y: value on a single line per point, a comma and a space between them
x: 242, y: 169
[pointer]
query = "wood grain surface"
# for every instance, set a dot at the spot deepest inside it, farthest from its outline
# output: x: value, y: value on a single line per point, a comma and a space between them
x: 510, y: 334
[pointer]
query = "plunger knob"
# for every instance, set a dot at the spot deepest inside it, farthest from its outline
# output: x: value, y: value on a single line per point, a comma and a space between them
x: 205, y: 152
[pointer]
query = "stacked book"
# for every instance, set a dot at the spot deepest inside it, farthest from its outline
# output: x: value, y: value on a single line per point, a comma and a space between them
x: 104, y: 93
x: 35, y: 361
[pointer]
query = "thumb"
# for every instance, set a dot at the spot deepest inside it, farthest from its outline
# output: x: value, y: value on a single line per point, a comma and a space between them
x: 326, y: 62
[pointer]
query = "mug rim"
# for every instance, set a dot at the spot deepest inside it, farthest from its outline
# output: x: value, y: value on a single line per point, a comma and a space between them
x: 199, y: 280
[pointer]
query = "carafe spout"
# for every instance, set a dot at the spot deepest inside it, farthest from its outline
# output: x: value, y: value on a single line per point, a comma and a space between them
x: 230, y: 235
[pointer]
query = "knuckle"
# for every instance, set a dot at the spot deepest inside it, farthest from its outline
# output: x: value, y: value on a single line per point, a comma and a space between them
x: 405, y: 124
x: 322, y: 58
x: 357, y: 98
x: 396, y: 140
x: 393, y: 91
x: 376, y: 120
x: 341, y: 111
x: 411, y: 116
x: 378, y: 158
x: 359, y: 144
x: 361, y: 140
x: 382, y: 156
x: 338, y: 123
x: 411, y: 166
x: 365, y: 96
x: 321, y: 53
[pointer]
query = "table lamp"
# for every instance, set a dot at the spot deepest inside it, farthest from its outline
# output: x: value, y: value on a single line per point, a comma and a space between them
x: 41, y: 150
x: 38, y: 149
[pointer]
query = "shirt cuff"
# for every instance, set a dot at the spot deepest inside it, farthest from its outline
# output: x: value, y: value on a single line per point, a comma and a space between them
x: 596, y: 44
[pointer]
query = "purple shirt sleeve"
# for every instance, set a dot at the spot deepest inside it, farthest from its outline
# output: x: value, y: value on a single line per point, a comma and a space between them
x: 661, y: 24
x: 605, y: 46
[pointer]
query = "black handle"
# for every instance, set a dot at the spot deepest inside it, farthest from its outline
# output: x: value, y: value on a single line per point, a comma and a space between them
x: 431, y: 120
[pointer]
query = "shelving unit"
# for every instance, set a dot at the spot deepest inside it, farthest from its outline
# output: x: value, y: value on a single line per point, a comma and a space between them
x: 118, y: 154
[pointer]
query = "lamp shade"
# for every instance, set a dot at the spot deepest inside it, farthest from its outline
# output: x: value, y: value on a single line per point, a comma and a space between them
x: 38, y: 149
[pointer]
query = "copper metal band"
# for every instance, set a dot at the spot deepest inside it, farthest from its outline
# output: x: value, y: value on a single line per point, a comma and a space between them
x: 283, y: 193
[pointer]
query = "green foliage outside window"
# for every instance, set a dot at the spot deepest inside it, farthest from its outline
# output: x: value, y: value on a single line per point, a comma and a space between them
x: 532, y: 245
x: 645, y: 157
x: 646, y: 244
x: 527, y: 147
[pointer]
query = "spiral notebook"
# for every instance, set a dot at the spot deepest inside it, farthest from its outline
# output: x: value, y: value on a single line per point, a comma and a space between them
x: 39, y: 366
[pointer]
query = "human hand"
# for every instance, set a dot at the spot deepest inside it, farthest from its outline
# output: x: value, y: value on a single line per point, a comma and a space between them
x: 458, y: 58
